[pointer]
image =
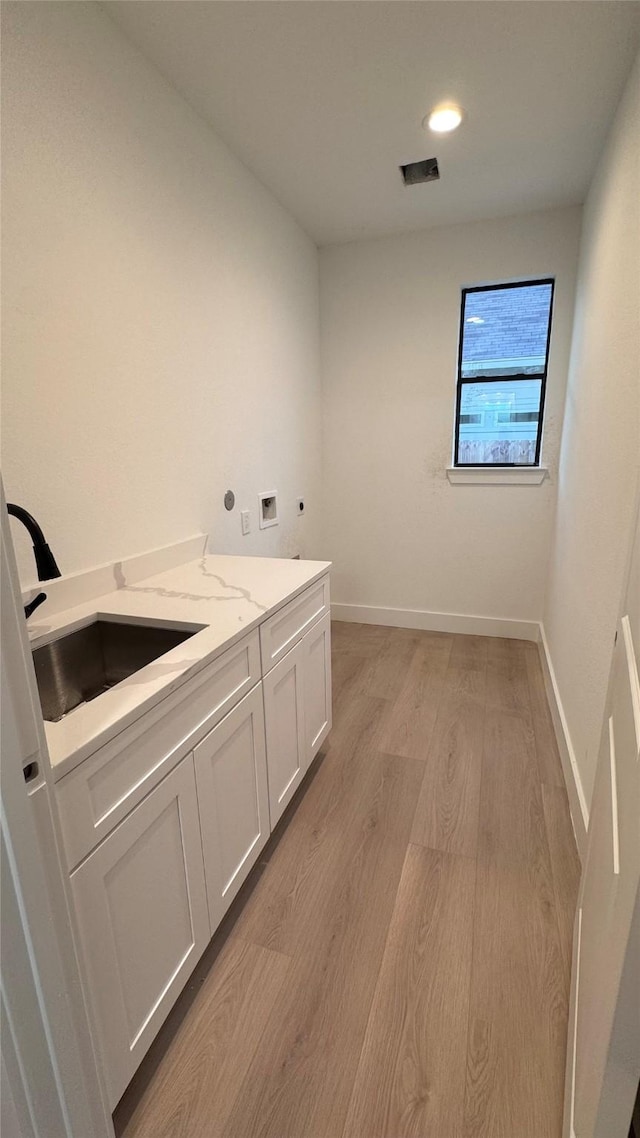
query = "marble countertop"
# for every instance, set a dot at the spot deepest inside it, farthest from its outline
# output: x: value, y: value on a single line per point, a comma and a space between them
x: 228, y: 596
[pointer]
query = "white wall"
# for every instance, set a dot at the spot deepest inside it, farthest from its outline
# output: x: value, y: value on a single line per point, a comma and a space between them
x: 400, y: 535
x: 601, y: 440
x: 160, y: 338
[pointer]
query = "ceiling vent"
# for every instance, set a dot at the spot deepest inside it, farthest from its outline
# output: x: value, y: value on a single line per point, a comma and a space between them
x: 415, y: 172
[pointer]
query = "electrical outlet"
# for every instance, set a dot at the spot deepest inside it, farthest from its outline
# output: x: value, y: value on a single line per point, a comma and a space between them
x: 245, y: 519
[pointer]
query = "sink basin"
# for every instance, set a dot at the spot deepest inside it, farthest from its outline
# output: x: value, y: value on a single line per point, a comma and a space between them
x: 83, y: 664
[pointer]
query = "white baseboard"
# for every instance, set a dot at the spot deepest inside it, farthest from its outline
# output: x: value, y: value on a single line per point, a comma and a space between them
x: 438, y: 621
x: 577, y: 799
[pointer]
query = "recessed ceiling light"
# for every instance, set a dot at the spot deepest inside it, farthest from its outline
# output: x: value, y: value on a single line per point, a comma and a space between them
x: 443, y: 118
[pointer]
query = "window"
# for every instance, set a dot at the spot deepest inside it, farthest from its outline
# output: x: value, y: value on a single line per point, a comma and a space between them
x: 502, y: 373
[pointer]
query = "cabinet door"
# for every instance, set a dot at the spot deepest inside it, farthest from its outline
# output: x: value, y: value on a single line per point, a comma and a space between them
x: 231, y: 778
x: 285, y: 729
x: 142, y: 916
x: 317, y: 686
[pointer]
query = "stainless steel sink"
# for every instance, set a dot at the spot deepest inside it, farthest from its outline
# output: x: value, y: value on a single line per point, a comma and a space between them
x: 81, y: 665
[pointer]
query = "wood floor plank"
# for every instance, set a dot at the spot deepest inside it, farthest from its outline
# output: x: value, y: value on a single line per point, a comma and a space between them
x: 200, y: 1074
x: 357, y: 717
x: 465, y: 682
x: 470, y: 651
x: 507, y: 680
x: 511, y: 815
x: 549, y: 763
x: 411, y: 1077
x: 300, y: 1080
x: 518, y: 1020
x: 283, y: 913
x: 346, y: 668
x: 565, y: 865
x: 447, y: 814
x: 361, y: 639
x: 410, y: 720
x: 519, y: 997
x: 384, y: 675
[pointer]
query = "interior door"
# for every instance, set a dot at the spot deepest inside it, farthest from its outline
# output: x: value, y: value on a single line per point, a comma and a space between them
x: 49, y: 1083
x: 604, y: 1037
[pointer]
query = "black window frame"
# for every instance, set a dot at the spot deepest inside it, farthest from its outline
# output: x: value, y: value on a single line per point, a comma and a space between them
x: 542, y: 375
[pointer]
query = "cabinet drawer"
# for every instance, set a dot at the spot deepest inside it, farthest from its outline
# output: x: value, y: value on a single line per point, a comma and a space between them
x: 95, y: 796
x: 282, y: 630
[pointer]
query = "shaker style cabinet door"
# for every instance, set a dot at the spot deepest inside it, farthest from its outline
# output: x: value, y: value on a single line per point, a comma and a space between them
x: 141, y: 910
x: 284, y: 699
x: 231, y: 777
x: 317, y: 686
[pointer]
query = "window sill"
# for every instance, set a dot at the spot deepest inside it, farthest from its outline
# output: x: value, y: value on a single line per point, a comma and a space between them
x: 497, y: 475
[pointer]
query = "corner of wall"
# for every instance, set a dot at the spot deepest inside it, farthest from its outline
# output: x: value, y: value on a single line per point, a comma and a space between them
x: 599, y: 448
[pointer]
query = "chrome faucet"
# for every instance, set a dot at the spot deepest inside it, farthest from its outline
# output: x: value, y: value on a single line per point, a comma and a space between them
x: 45, y: 561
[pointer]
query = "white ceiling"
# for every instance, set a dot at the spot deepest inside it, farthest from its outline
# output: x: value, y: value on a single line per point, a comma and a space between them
x: 323, y: 99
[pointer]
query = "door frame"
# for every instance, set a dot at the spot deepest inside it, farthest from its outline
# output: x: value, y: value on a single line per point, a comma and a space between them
x: 618, y: 1087
x: 49, y: 1064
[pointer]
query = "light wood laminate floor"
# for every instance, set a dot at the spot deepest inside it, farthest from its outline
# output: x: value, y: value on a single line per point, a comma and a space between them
x: 397, y: 966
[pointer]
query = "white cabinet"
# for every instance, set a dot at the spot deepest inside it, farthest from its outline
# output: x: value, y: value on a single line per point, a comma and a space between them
x: 142, y: 916
x: 181, y: 817
x: 297, y: 706
x: 231, y: 778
